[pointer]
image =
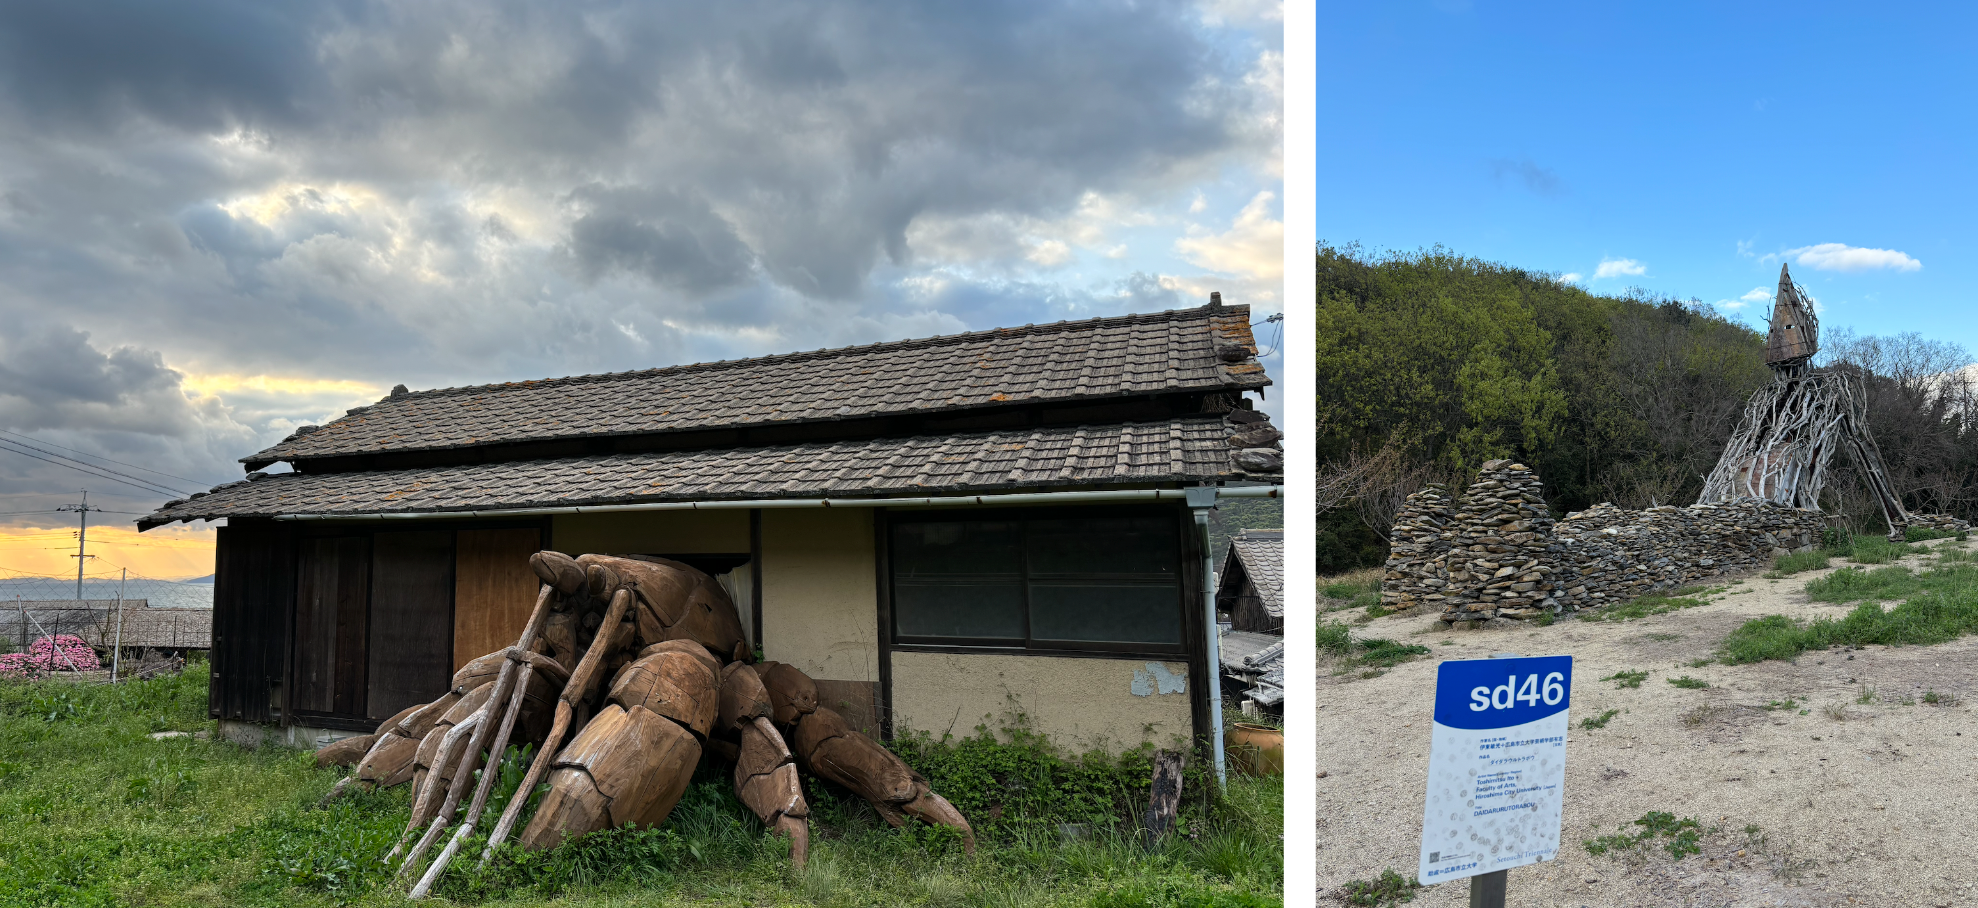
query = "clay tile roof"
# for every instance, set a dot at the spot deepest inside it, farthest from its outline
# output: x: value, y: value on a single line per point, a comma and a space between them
x: 1175, y: 451
x: 1205, y: 349
x: 1261, y: 552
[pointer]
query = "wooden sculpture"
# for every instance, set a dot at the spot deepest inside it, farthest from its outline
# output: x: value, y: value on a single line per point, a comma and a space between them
x: 640, y: 664
x: 1793, y: 426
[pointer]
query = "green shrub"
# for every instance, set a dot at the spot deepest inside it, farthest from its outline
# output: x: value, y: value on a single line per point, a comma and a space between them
x: 1799, y: 562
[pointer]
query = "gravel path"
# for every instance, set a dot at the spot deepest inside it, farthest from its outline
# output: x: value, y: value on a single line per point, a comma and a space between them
x: 1855, y: 803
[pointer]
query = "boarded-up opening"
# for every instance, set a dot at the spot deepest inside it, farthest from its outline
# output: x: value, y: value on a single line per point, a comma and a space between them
x: 331, y: 605
x: 494, y: 590
x: 411, y: 632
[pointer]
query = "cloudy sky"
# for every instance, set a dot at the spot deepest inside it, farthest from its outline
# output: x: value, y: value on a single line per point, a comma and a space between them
x: 1685, y: 148
x: 220, y: 220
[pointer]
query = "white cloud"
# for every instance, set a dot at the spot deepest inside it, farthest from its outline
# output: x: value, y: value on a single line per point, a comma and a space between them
x: 1571, y: 277
x: 1618, y: 268
x: 1252, y: 247
x: 1756, y: 295
x: 1842, y: 257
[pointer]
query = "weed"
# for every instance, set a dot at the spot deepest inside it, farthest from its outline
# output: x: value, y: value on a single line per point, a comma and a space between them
x: 1788, y: 705
x: 1600, y: 722
x: 1938, y: 605
x: 1646, y: 606
x: 1626, y: 679
x: 1387, y: 889
x: 1665, y: 638
x: 1796, y: 563
x: 1835, y: 711
x: 1699, y: 663
x: 1868, y: 695
x: 1680, y: 837
x: 1351, y: 586
x: 1688, y: 683
x: 101, y: 814
x: 1387, y: 653
x: 1702, y: 715
x: 1925, y: 534
x: 1866, y: 549
x: 1369, y: 603
x: 1545, y: 619
x: 1936, y: 699
x: 1335, y: 638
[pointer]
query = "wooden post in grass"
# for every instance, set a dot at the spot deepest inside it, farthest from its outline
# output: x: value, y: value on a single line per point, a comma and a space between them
x: 1165, y: 798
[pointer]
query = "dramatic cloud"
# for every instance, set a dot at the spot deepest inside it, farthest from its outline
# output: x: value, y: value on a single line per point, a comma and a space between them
x: 219, y: 220
x: 1842, y: 257
x: 1618, y: 268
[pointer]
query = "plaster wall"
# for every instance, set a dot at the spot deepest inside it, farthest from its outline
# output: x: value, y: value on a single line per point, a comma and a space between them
x: 820, y: 601
x: 1081, y: 704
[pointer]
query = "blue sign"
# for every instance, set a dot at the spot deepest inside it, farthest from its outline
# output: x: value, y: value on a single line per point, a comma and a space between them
x: 1497, y: 765
x: 1500, y: 693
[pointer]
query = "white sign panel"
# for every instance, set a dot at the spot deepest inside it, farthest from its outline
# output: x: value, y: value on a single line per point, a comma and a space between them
x: 1497, y: 765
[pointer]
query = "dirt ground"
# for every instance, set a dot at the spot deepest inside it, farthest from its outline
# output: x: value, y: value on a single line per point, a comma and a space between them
x: 1854, y: 803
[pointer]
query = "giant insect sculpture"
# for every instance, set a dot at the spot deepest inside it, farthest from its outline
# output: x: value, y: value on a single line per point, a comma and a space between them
x: 640, y: 665
x: 1792, y: 427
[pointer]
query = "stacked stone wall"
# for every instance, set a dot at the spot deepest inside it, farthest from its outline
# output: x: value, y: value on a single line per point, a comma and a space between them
x: 1498, y: 553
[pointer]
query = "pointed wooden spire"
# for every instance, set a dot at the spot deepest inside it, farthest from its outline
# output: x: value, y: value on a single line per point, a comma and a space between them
x: 1795, y: 335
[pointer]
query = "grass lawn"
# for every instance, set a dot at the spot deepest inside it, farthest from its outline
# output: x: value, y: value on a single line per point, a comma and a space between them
x: 1932, y: 606
x: 95, y: 812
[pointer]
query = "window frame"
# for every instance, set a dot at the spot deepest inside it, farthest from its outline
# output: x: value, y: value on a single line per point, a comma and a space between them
x: 1029, y: 645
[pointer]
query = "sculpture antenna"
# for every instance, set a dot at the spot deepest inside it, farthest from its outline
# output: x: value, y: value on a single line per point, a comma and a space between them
x: 1795, y: 334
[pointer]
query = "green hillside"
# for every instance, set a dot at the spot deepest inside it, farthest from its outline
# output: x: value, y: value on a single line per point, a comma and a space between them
x: 1629, y: 398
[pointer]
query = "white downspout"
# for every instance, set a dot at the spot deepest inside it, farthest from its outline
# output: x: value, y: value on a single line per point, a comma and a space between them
x: 1202, y: 500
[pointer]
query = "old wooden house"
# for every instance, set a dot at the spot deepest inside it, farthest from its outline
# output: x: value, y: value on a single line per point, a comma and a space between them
x: 945, y: 532
x: 1250, y: 591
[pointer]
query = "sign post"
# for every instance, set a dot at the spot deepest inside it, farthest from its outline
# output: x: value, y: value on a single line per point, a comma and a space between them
x: 1497, y: 770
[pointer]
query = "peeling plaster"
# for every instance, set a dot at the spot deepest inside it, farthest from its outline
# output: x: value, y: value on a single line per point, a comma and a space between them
x: 1156, y: 678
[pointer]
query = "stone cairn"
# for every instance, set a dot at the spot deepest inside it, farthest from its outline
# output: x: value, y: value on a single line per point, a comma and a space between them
x: 1499, y: 554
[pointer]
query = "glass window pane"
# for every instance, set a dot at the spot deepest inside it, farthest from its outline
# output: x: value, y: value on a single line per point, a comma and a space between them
x: 975, y: 547
x: 1101, y: 613
x: 971, y: 610
x: 1104, y: 545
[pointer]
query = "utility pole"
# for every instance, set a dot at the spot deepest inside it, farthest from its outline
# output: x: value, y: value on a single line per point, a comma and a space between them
x: 82, y: 536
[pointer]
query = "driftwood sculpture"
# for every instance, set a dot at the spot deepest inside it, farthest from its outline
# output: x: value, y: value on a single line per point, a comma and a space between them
x: 1793, y: 426
x: 639, y: 664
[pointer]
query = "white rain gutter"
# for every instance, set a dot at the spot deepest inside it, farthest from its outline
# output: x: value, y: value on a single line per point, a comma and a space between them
x: 1202, y: 500
x: 944, y: 501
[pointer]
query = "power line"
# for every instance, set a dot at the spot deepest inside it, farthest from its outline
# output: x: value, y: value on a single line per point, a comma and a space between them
x: 98, y: 472
x: 101, y: 457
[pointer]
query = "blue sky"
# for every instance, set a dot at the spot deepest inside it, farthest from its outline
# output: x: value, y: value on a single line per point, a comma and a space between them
x: 1691, y: 147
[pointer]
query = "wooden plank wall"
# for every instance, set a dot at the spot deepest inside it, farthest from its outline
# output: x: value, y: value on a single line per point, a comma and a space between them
x: 331, y: 619
x: 411, y: 627
x: 494, y: 590
x: 253, y: 590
